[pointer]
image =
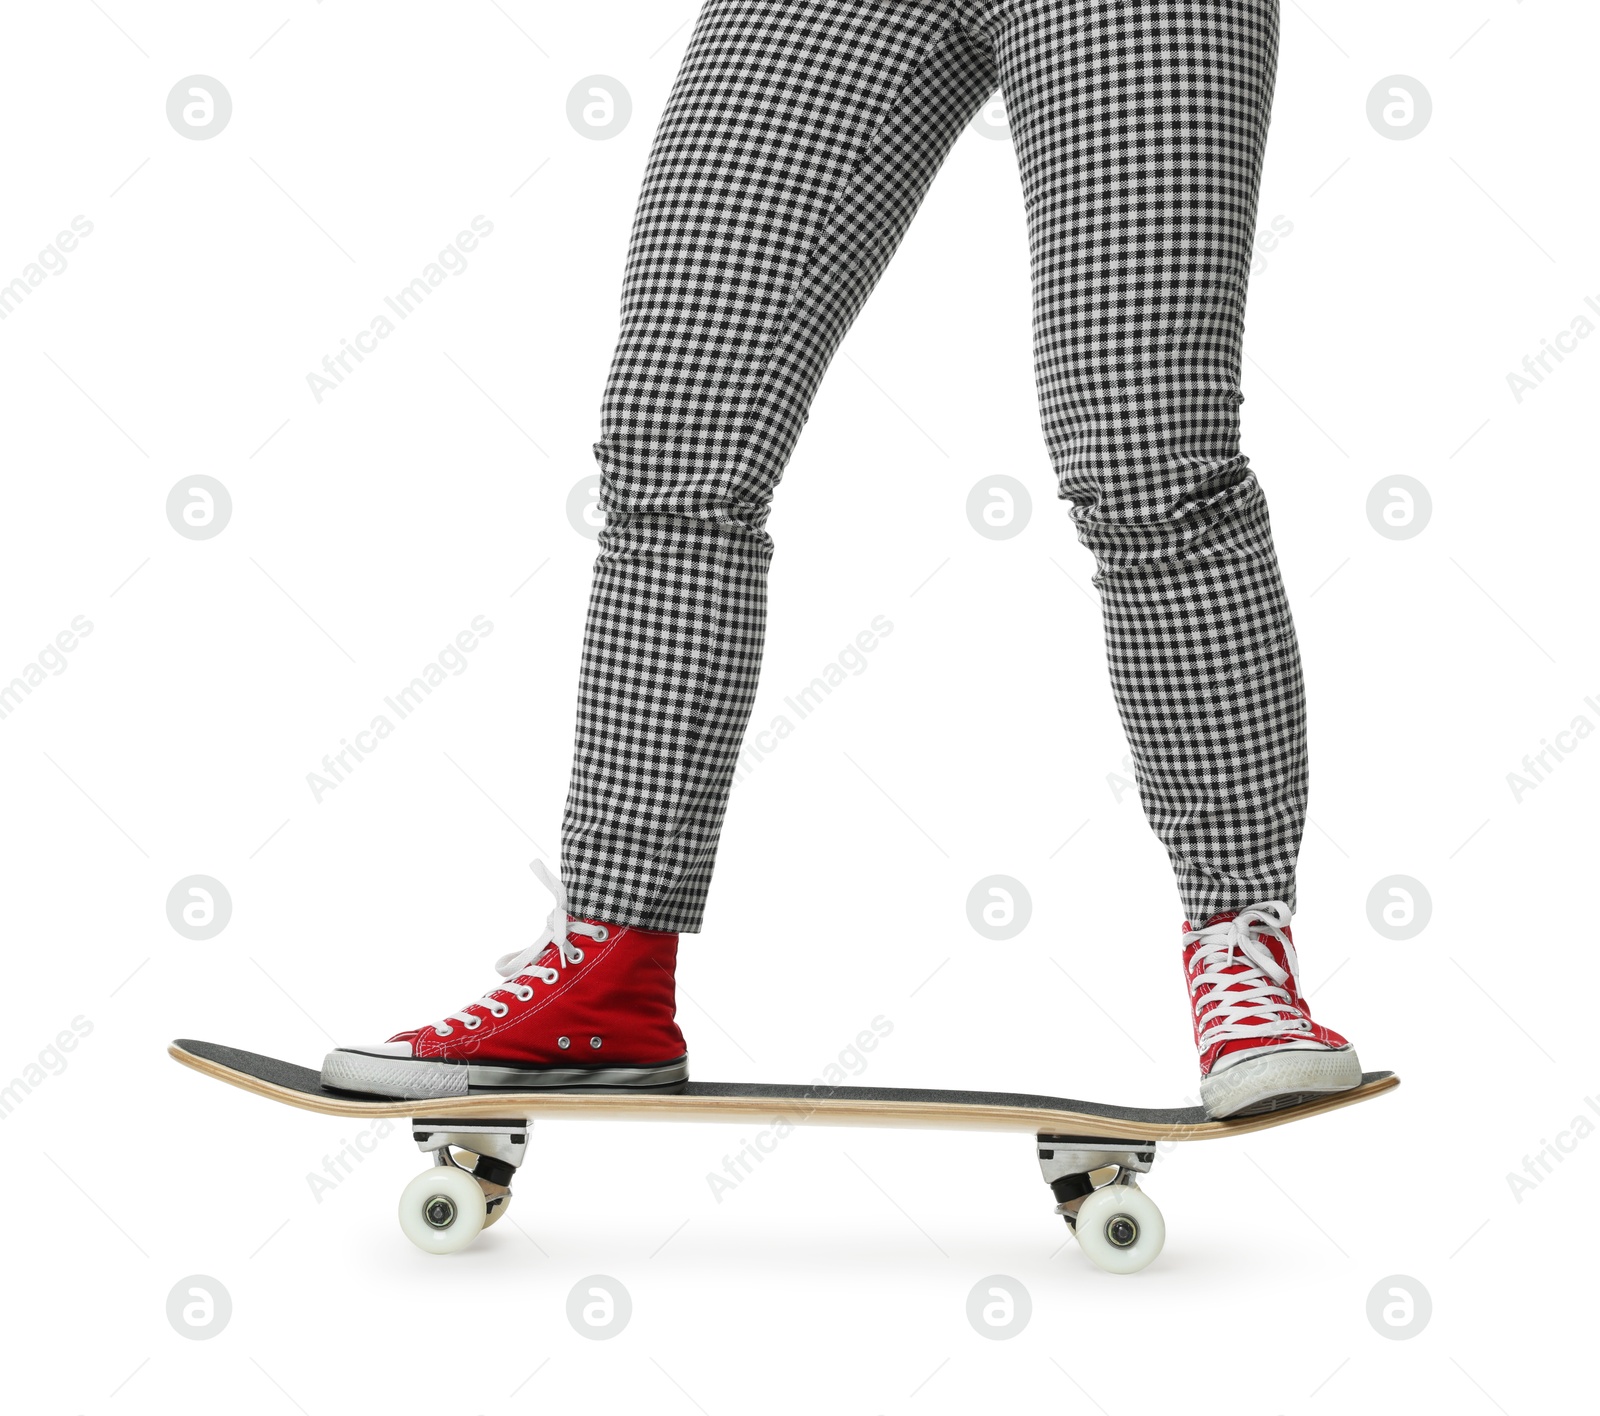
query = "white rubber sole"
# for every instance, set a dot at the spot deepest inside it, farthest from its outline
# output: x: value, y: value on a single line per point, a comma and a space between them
x: 420, y: 1079
x: 1280, y: 1077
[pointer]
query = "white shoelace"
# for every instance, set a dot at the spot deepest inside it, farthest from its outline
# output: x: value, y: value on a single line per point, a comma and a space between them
x: 1259, y: 990
x: 523, y: 964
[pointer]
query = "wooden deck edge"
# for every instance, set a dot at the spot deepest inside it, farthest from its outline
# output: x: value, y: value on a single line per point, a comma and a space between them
x: 821, y: 1112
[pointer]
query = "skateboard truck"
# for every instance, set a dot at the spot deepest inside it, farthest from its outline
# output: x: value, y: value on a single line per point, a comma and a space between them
x: 446, y: 1207
x: 1117, y: 1225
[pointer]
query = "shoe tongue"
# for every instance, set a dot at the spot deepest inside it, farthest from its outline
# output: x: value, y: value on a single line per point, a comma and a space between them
x: 1191, y: 930
x: 1240, y: 964
x: 1225, y: 916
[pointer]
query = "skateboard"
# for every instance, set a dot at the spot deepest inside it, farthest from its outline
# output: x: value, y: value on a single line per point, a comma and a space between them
x: 1091, y: 1154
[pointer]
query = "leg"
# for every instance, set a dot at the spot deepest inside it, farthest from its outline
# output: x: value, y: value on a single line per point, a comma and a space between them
x: 1139, y: 127
x: 796, y: 146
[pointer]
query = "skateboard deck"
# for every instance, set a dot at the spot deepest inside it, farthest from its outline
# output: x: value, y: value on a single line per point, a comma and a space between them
x: 1090, y: 1153
x: 924, y: 1109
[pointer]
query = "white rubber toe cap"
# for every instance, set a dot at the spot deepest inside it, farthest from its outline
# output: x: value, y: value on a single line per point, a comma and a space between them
x: 390, y: 1069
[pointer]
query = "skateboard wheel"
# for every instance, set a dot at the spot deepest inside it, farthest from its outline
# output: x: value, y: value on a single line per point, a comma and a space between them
x: 1120, y: 1228
x: 442, y: 1210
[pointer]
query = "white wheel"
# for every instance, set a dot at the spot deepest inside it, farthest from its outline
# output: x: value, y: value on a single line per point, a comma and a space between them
x: 442, y: 1210
x: 1120, y: 1228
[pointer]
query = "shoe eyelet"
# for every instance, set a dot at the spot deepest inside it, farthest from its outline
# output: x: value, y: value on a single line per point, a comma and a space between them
x: 501, y: 1011
x: 603, y: 935
x: 524, y: 994
x: 594, y: 1042
x: 577, y: 956
x: 474, y: 1025
x: 443, y: 1032
x: 563, y: 1043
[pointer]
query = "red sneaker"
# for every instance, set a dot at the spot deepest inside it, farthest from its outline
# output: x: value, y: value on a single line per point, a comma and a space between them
x: 1259, y: 1049
x: 588, y: 1004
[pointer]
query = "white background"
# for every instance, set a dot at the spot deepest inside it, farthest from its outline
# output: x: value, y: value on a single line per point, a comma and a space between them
x: 369, y: 528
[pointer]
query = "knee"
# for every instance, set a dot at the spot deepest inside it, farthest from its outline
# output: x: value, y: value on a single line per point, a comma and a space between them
x: 702, y: 480
x: 1194, y: 507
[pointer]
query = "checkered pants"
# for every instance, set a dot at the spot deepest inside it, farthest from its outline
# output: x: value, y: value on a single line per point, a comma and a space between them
x: 797, y: 143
